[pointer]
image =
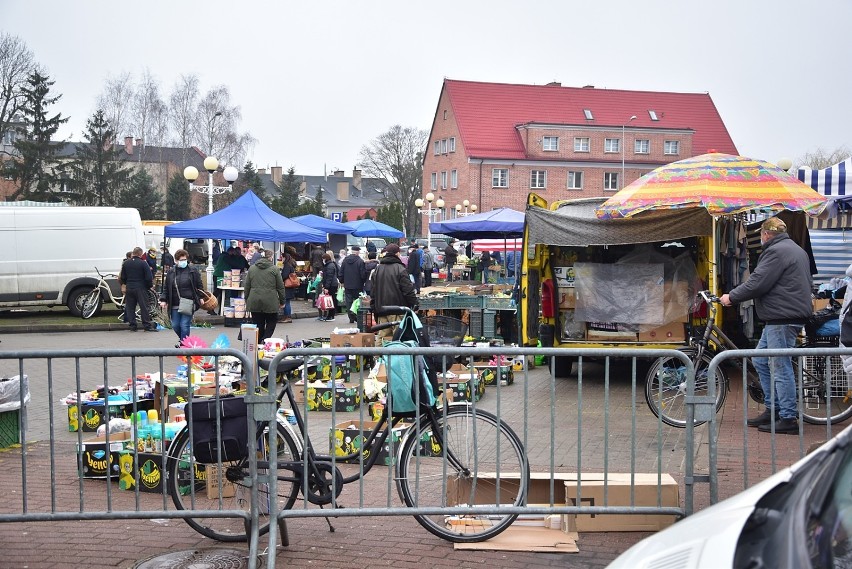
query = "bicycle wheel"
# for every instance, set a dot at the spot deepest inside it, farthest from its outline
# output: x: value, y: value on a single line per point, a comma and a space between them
x: 826, y: 389
x: 92, y: 303
x: 156, y: 312
x: 225, y: 490
x: 482, y: 461
x: 665, y: 387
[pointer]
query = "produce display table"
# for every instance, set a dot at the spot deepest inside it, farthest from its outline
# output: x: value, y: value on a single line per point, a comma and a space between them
x: 231, y: 322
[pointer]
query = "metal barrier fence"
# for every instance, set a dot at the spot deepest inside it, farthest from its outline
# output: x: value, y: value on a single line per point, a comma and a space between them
x: 593, y: 422
x: 818, y: 371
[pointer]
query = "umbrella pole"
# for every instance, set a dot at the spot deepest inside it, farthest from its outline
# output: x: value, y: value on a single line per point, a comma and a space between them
x: 714, y: 252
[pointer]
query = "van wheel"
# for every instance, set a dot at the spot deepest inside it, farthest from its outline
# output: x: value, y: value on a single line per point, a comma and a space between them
x: 76, y: 300
x: 562, y: 366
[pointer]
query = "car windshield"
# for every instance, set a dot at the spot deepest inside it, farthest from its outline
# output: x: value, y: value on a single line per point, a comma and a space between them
x: 829, y: 525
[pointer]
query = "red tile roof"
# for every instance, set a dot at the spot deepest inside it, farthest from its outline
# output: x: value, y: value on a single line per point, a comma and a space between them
x: 360, y: 212
x: 487, y: 113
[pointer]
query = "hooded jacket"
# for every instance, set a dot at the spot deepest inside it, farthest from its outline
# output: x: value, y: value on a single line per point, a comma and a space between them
x: 353, y: 272
x: 391, y: 286
x: 264, y: 288
x: 780, y: 284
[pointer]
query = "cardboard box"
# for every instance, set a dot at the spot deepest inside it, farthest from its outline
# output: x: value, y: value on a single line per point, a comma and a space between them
x: 617, y: 485
x: 359, y: 340
x: 676, y: 302
x: 820, y: 303
x: 460, y: 389
x: 674, y: 332
x: 213, y: 482
x: 610, y: 336
x: 491, y: 375
x: 148, y: 473
x: 91, y: 415
x: 348, y: 438
x: 342, y: 398
x: 567, y: 298
x: 97, y: 460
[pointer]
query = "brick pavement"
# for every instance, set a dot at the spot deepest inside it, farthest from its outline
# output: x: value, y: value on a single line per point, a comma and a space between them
x: 549, y: 432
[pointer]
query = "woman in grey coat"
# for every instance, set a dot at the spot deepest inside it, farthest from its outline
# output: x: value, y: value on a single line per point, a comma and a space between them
x: 265, y: 295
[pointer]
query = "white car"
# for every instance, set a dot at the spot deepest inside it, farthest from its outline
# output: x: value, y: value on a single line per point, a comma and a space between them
x: 800, y: 517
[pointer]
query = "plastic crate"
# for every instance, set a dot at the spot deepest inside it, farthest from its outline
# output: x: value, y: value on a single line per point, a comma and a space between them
x: 9, y: 428
x: 498, y: 302
x: 432, y: 302
x: 465, y: 301
x: 364, y: 319
x: 489, y: 323
x: 474, y: 324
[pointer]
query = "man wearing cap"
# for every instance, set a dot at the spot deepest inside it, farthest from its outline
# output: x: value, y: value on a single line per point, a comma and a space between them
x: 781, y: 288
x: 353, y: 275
x: 390, y: 286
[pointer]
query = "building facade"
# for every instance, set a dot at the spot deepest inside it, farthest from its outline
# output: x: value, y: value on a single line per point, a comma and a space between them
x: 491, y: 144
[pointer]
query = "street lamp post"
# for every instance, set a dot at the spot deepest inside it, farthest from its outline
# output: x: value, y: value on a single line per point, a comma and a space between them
x: 190, y: 173
x: 429, y: 212
x: 623, y: 145
x: 466, y: 204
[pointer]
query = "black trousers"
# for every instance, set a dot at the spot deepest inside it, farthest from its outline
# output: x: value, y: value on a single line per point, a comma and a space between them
x: 265, y: 322
x: 132, y: 298
x: 350, y: 294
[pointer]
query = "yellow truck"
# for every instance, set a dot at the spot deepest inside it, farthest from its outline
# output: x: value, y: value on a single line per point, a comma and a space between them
x: 626, y: 283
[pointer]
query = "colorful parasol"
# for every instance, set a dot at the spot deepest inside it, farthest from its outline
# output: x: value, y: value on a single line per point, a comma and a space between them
x: 720, y: 183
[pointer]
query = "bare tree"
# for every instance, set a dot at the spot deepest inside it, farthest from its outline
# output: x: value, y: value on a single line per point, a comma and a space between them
x: 147, y: 104
x: 115, y: 101
x: 216, y: 124
x: 396, y: 156
x: 182, y: 111
x: 821, y: 158
x: 16, y: 63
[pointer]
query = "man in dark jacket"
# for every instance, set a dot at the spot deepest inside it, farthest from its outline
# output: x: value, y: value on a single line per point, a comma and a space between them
x: 414, y: 268
x: 781, y: 288
x: 137, y: 278
x: 317, y: 261
x: 451, y: 256
x: 390, y: 286
x: 353, y: 275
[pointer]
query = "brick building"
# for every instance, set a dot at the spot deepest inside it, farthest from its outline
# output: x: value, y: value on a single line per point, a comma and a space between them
x: 493, y: 143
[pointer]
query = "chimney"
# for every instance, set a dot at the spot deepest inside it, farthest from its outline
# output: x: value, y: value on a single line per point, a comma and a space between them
x: 338, y: 173
x: 261, y: 170
x: 128, y: 145
x: 276, y: 174
x: 343, y: 191
x: 139, y: 142
x: 554, y: 84
x: 356, y: 178
x: 588, y: 86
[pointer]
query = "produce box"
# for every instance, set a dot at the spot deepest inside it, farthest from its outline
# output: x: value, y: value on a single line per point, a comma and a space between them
x: 341, y: 398
x: 349, y: 437
x: 88, y: 416
x: 491, y: 375
x: 97, y: 460
x: 359, y: 340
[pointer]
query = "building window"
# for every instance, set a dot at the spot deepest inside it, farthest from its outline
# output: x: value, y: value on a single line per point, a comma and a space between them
x: 443, y: 180
x: 9, y: 137
x: 538, y: 179
x: 437, y: 147
x: 434, y: 181
x: 612, y: 145
x: 575, y: 180
x: 581, y: 144
x: 452, y: 144
x: 588, y: 114
x: 445, y: 114
x: 653, y: 115
x: 454, y: 179
x: 444, y: 146
x: 671, y: 147
x: 610, y: 180
x: 550, y: 143
x: 500, y: 178
x: 642, y: 146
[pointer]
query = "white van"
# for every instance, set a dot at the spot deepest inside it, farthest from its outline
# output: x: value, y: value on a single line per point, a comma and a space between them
x: 50, y: 253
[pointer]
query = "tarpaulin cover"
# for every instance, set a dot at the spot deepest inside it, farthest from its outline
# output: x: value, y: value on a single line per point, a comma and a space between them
x: 247, y: 218
x: 575, y: 224
x: 495, y: 224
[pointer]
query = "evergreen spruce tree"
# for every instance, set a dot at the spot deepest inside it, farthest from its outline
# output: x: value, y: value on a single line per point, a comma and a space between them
x: 391, y: 214
x: 141, y: 195
x: 100, y: 173
x: 286, y: 201
x: 248, y: 179
x: 38, y: 174
x: 178, y: 199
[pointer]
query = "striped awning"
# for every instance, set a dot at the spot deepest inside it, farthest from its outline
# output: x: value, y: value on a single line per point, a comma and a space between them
x: 480, y: 245
x: 832, y: 183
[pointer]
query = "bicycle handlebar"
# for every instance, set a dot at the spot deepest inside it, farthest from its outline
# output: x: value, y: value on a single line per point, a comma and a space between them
x: 391, y: 311
x: 708, y: 296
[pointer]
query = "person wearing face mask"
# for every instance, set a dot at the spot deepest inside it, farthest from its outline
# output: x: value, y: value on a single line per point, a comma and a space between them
x: 182, y: 282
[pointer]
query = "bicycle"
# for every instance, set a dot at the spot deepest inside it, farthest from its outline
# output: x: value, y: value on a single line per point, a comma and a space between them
x: 94, y: 301
x: 451, y: 453
x: 822, y: 379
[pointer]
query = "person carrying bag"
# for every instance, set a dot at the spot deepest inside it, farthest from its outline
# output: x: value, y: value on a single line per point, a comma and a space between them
x: 180, y: 294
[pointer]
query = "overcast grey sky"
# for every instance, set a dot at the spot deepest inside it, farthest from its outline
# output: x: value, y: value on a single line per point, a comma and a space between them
x: 317, y: 80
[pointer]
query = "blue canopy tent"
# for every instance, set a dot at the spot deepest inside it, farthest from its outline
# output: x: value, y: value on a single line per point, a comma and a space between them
x: 248, y: 218
x: 371, y: 228
x: 323, y: 224
x: 502, y: 223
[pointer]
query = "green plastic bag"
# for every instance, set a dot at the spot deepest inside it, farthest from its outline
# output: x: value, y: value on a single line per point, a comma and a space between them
x: 356, y: 306
x: 341, y: 295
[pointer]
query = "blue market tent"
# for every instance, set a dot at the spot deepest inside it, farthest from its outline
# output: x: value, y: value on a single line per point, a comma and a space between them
x: 501, y: 223
x: 370, y: 228
x: 323, y: 224
x: 248, y: 218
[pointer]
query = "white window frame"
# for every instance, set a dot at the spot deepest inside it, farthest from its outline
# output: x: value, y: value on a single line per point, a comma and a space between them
x: 671, y: 147
x: 612, y: 145
x: 454, y: 179
x: 611, y: 181
x: 444, y: 180
x: 582, y: 144
x: 452, y: 144
x: 538, y: 179
x: 550, y: 144
x: 437, y: 147
x: 499, y: 177
x: 434, y: 181
x: 642, y: 146
x: 573, y: 178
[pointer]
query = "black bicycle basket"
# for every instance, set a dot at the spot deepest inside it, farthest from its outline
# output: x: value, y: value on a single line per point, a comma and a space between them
x: 443, y: 331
